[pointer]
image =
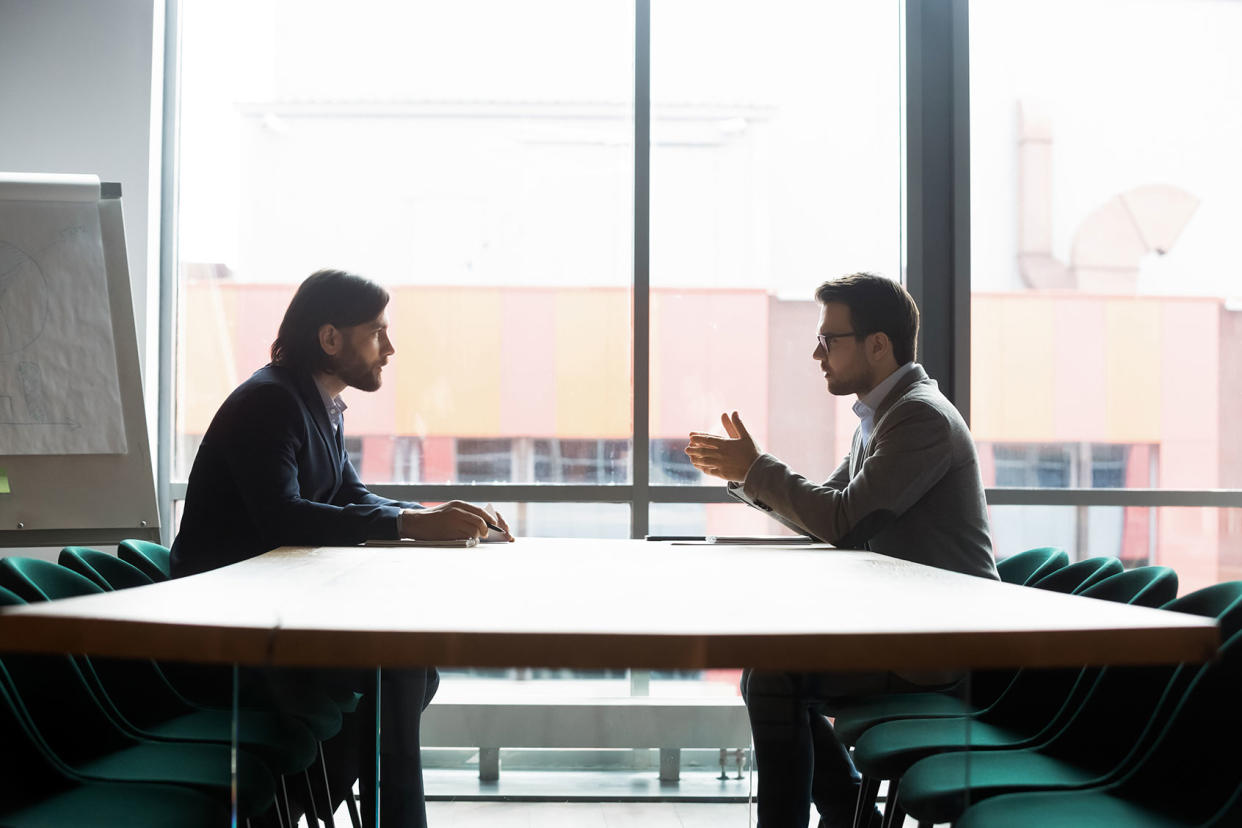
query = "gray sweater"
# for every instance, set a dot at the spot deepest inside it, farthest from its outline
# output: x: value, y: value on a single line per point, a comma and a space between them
x: 913, y: 493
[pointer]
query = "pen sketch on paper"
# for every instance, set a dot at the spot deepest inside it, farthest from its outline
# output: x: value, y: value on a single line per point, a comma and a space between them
x: 59, y: 390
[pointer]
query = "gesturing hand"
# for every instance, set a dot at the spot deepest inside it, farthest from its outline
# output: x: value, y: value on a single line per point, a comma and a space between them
x: 454, y: 520
x: 728, y: 458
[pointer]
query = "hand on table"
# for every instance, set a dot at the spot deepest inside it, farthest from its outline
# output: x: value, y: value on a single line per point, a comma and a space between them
x: 728, y: 458
x: 454, y: 520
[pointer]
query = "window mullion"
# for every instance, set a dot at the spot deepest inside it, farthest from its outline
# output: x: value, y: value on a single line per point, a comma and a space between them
x: 640, y: 467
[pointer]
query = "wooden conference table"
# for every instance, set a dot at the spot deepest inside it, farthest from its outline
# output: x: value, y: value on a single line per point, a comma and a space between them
x: 590, y: 603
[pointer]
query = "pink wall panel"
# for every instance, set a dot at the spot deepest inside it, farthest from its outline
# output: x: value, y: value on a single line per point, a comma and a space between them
x: 802, y: 428
x: 377, y: 454
x: 709, y: 354
x: 528, y: 362
x: 1079, y: 380
x: 1189, y: 372
x: 1187, y: 542
x: 439, y: 460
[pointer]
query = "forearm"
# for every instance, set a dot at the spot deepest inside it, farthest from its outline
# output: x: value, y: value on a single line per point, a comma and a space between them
x: 818, y: 509
x: 905, y: 462
x: 300, y: 522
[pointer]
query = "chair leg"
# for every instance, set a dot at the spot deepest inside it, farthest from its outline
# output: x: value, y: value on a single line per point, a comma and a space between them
x: 278, y: 811
x: 328, y: 821
x: 313, y: 817
x: 352, y: 807
x: 868, y: 791
x: 355, y: 819
x: 284, y: 792
x: 894, y: 814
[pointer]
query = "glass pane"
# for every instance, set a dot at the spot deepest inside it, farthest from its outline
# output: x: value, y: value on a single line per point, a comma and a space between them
x: 775, y: 164
x: 1106, y: 192
x: 711, y: 519
x: 1201, y: 543
x: 458, y: 164
x: 567, y: 520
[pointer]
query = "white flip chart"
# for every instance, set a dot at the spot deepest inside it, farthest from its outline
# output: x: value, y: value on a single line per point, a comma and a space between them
x: 59, y: 390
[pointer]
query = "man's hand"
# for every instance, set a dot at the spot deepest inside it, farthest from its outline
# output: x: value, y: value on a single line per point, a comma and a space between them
x: 454, y: 520
x: 728, y: 458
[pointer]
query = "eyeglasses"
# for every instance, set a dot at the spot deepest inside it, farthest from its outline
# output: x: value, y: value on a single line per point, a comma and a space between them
x: 825, y: 340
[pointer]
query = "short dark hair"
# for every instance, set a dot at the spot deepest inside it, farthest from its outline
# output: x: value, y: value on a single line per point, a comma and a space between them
x: 877, y: 305
x: 326, y: 297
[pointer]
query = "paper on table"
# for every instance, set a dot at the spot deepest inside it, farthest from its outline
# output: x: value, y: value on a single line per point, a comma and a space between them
x: 492, y: 535
x: 59, y: 391
x: 462, y: 542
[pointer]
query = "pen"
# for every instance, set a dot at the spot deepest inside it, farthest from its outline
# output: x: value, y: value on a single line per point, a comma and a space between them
x: 494, y: 527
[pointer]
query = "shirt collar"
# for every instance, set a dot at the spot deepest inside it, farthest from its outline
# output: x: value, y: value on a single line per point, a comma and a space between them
x: 867, y: 404
x: 335, y: 406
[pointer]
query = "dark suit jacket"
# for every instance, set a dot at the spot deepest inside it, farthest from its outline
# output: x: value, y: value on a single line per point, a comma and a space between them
x: 271, y: 472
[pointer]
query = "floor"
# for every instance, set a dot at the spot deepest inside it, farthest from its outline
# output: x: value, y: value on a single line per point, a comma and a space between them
x: 586, y: 815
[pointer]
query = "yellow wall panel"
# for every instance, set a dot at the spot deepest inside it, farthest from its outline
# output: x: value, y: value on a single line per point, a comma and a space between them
x: 1014, y: 363
x: 1132, y: 341
x: 448, y: 342
x: 593, y: 387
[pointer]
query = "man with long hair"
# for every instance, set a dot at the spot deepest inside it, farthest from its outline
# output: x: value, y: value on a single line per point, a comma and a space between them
x: 272, y: 471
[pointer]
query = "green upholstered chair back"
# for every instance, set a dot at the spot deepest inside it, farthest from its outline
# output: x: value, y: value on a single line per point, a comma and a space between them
x: 38, y: 580
x: 9, y: 598
x: 107, y: 572
x: 1220, y: 601
x: 154, y: 560
x: 1031, y: 565
x: 1143, y: 586
x: 1080, y: 576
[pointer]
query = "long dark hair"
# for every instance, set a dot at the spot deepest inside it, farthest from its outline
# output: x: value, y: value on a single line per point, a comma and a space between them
x: 327, y: 297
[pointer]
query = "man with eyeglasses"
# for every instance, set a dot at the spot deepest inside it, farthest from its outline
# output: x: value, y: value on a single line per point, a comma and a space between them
x: 909, y: 488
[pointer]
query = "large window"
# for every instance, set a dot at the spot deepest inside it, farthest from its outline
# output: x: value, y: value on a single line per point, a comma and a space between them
x: 1106, y: 189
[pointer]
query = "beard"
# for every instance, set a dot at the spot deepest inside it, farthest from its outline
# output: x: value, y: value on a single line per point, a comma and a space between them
x: 356, y: 372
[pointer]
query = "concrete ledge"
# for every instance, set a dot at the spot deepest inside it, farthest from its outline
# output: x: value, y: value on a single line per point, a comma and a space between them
x: 632, y: 722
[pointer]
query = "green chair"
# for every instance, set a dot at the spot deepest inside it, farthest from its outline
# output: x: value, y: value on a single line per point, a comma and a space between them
x: 1188, y: 777
x: 54, y: 702
x: 1032, y: 708
x: 1081, y: 575
x: 136, y: 694
x: 154, y: 560
x: 855, y: 717
x: 142, y: 697
x: 1031, y: 565
x: 37, y: 790
x: 1117, y: 722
